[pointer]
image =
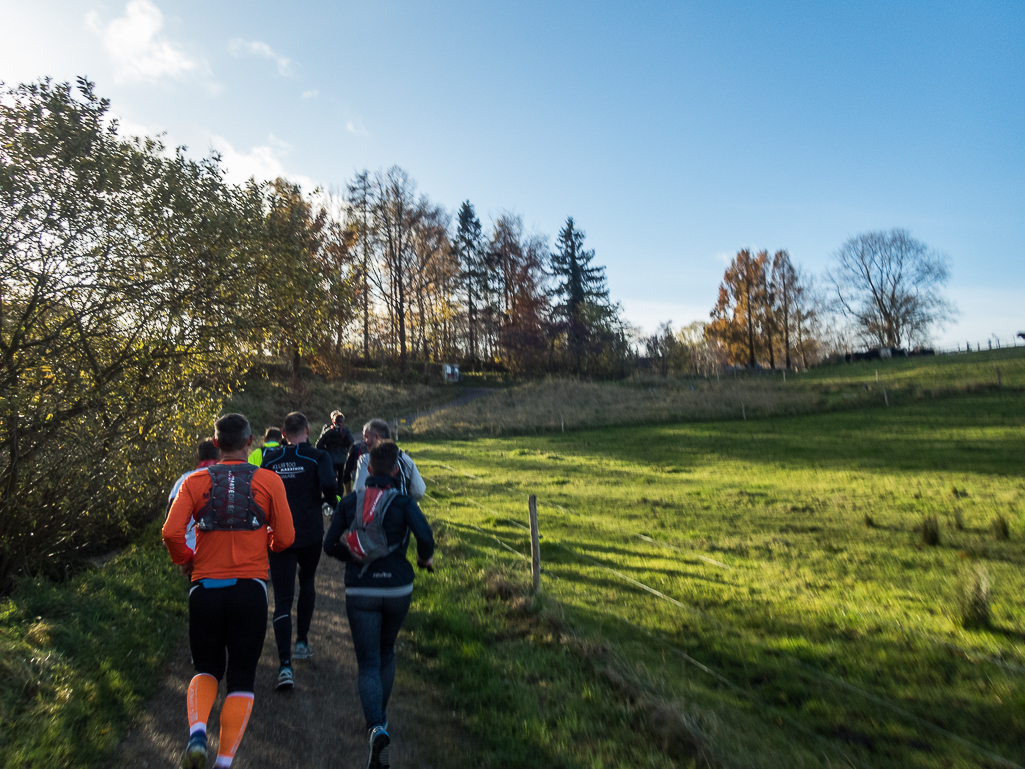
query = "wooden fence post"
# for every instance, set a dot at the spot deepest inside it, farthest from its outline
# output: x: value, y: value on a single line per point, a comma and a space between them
x: 535, y: 545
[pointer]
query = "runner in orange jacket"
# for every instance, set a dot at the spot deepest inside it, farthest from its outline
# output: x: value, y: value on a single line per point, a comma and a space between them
x: 236, y: 520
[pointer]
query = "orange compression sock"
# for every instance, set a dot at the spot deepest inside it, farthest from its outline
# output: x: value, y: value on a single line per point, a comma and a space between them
x: 202, y: 693
x: 234, y: 718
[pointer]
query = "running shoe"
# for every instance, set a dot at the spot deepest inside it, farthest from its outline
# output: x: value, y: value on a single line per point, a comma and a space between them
x: 303, y: 651
x: 195, y: 753
x: 380, y: 743
x: 285, y: 678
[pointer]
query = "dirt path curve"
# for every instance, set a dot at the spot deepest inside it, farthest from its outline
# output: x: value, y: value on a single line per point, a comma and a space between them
x: 318, y: 725
x: 468, y: 395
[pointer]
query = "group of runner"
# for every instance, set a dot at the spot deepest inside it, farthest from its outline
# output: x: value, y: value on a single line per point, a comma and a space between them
x: 244, y: 512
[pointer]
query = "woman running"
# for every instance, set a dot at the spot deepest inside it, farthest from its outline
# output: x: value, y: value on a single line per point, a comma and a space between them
x: 378, y: 592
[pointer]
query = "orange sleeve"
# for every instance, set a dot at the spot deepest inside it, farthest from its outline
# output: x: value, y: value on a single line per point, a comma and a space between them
x: 279, y: 515
x: 173, y: 531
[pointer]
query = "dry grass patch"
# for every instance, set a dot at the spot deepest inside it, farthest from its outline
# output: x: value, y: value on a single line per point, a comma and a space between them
x: 555, y: 405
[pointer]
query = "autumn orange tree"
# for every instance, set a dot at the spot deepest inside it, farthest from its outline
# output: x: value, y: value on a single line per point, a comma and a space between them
x: 764, y: 308
x: 737, y: 316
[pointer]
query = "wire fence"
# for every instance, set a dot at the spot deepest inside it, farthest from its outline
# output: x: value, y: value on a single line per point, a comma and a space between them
x: 994, y: 342
x: 815, y: 671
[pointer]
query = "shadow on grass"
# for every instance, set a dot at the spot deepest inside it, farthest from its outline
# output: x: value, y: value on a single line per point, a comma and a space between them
x: 857, y: 725
x: 106, y: 634
x: 927, y: 435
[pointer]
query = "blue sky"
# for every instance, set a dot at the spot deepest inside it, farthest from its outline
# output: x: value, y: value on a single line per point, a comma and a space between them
x: 674, y: 133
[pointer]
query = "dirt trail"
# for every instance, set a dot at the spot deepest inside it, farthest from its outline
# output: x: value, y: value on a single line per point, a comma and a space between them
x: 319, y: 724
x: 468, y: 395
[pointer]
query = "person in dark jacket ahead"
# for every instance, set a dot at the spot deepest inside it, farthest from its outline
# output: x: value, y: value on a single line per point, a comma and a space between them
x: 336, y: 440
x: 309, y: 479
x: 378, y: 593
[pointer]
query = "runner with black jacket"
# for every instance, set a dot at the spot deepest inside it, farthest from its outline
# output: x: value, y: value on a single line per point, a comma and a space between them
x: 336, y: 440
x: 309, y: 479
x: 378, y: 593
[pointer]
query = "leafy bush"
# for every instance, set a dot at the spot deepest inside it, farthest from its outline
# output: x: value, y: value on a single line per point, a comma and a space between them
x: 126, y: 285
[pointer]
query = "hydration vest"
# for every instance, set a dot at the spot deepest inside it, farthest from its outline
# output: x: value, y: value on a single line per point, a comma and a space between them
x: 365, y: 538
x: 231, y: 506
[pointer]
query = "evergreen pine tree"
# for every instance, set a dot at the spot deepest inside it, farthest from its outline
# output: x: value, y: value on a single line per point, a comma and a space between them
x: 581, y: 289
x: 473, y: 273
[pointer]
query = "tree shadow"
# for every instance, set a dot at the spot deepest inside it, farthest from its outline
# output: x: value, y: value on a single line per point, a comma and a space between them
x: 928, y: 436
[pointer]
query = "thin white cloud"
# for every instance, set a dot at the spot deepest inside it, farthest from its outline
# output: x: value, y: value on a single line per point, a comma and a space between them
x: 313, y: 93
x: 356, y: 128
x: 281, y: 144
x: 126, y: 128
x: 240, y: 47
x: 138, y: 50
x: 263, y: 163
x: 725, y: 257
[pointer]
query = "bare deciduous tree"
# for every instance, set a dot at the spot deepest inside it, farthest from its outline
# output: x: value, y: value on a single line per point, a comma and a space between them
x: 889, y: 285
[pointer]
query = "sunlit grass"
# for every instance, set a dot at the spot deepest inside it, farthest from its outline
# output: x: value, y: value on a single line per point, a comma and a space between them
x: 807, y: 598
x: 79, y: 658
x: 559, y: 405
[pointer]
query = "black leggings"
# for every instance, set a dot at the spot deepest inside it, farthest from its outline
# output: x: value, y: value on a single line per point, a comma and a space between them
x: 228, y: 619
x: 282, y: 573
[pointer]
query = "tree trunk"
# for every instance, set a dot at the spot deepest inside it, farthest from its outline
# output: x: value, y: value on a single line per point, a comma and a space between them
x: 750, y: 328
x: 366, y: 306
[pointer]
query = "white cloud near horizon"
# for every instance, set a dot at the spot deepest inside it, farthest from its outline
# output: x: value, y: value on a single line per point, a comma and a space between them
x: 240, y: 47
x: 263, y: 163
x: 127, y: 128
x: 648, y: 314
x: 313, y: 93
x: 137, y: 49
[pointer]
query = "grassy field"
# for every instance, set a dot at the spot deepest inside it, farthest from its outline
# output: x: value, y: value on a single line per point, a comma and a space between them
x: 78, y: 659
x: 558, y: 405
x: 967, y: 370
x: 737, y: 593
x: 717, y: 592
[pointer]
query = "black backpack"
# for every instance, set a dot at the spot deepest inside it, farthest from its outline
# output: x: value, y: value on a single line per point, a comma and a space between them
x: 231, y: 506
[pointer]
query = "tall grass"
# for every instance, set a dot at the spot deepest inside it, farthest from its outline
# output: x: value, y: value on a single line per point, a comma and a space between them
x: 559, y: 405
x: 79, y: 658
x: 266, y: 401
x: 554, y: 405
